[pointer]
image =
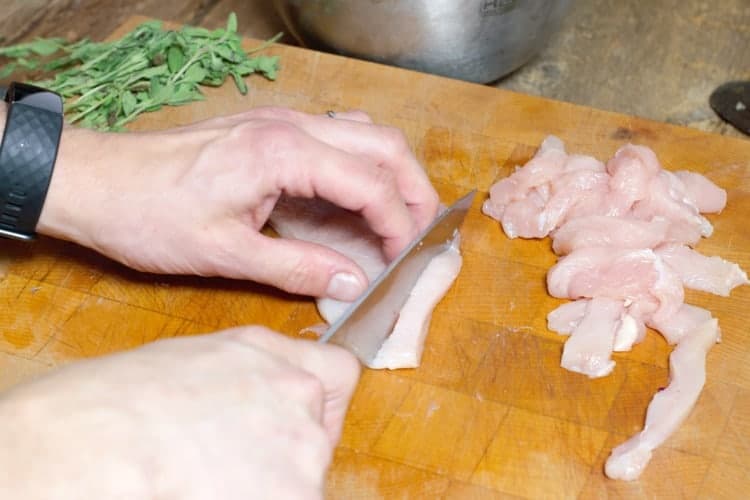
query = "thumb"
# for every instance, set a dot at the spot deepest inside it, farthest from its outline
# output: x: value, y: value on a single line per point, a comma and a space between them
x: 300, y: 267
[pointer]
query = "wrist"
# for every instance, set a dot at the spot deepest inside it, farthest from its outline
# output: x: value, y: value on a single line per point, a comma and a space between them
x: 67, y: 208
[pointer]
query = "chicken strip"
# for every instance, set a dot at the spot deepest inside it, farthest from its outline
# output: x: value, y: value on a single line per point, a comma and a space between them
x: 670, y: 407
x: 346, y: 232
x: 589, y: 348
x: 628, y: 275
x: 699, y: 272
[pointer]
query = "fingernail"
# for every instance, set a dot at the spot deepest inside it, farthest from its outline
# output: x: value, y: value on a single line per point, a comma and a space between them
x: 344, y: 286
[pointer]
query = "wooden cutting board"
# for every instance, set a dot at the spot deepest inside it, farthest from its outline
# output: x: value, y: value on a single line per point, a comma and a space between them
x: 489, y: 414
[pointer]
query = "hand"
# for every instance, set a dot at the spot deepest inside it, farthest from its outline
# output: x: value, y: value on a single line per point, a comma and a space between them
x: 244, y: 413
x: 192, y: 200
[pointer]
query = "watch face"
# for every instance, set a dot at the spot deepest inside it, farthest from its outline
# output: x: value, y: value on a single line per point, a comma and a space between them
x: 37, y: 97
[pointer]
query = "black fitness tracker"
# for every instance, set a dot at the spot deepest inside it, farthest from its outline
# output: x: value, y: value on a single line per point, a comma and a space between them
x: 27, y: 157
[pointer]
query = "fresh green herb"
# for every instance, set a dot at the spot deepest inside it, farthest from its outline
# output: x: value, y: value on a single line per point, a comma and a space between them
x: 108, y: 84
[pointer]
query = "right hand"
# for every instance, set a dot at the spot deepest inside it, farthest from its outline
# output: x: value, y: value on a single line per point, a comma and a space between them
x: 244, y: 413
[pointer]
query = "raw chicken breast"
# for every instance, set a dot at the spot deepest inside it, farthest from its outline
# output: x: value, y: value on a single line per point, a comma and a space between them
x: 707, y: 196
x: 323, y: 223
x: 590, y: 345
x: 709, y: 274
x: 602, y: 231
x: 566, y: 317
x: 403, y: 349
x: 628, y: 275
x: 624, y: 233
x: 518, y: 200
x: 671, y: 406
x: 632, y: 169
x: 566, y: 191
x: 667, y: 197
x: 631, y: 330
x: 687, y: 318
x: 542, y: 168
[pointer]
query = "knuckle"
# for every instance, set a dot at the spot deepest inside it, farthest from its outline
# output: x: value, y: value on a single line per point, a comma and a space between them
x: 302, y: 386
x: 396, y: 140
x: 384, y: 184
x: 312, y: 388
x: 272, y: 139
x: 278, y: 133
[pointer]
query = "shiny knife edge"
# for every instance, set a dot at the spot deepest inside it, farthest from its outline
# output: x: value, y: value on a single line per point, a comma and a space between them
x: 461, y: 207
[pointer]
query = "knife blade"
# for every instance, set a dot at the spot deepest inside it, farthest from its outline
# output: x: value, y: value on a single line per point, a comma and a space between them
x: 369, y: 320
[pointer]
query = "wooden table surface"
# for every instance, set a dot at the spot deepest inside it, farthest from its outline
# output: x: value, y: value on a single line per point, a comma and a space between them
x: 659, y: 59
x: 489, y: 414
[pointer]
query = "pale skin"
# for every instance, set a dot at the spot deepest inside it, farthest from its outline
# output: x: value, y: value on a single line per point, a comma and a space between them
x: 233, y: 414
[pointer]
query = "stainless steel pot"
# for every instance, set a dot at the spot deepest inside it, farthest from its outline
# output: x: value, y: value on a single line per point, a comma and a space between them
x: 475, y: 40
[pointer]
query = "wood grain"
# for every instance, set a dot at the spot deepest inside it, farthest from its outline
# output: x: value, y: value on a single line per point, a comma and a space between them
x: 489, y: 414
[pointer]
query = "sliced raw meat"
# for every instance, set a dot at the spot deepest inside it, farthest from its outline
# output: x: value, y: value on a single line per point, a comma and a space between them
x: 518, y: 193
x: 566, y: 317
x: 565, y: 193
x: 699, y: 272
x: 624, y: 233
x: 632, y: 169
x: 403, y: 349
x: 589, y: 347
x: 602, y: 231
x: 683, y: 233
x: 670, y: 407
x: 574, y: 163
x: 632, y: 328
x: 668, y: 198
x: 628, y: 275
x: 707, y: 196
x: 687, y: 318
x: 323, y: 223
x: 542, y: 168
x: 521, y: 218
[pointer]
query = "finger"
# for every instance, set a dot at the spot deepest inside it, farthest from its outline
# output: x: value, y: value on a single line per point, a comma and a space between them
x: 339, y: 372
x: 314, y: 168
x: 387, y: 147
x: 295, y: 266
x: 336, y: 369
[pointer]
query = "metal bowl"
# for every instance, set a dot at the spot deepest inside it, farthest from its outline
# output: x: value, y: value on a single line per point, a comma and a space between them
x: 474, y: 40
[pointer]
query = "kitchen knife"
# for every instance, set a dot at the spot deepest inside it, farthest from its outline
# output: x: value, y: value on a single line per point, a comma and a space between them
x: 369, y: 320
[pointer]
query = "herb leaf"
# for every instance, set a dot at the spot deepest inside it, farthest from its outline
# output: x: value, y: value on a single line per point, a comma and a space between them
x: 109, y: 84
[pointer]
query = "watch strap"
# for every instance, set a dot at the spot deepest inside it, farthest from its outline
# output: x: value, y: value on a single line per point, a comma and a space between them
x: 27, y: 157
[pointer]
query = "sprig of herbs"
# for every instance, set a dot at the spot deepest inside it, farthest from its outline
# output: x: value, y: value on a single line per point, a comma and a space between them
x: 108, y: 84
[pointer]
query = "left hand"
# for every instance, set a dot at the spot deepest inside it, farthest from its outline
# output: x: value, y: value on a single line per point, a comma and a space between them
x: 193, y: 200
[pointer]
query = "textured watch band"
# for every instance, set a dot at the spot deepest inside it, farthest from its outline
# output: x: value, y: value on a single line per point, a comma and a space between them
x: 27, y: 157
